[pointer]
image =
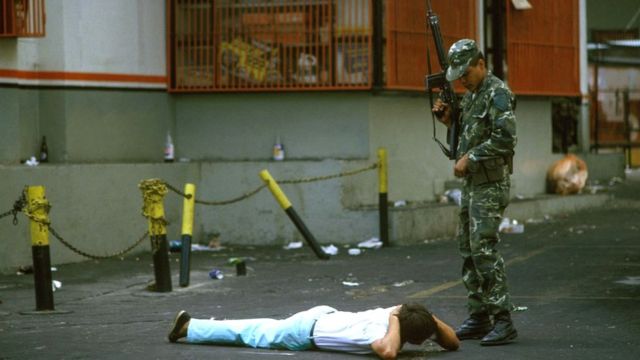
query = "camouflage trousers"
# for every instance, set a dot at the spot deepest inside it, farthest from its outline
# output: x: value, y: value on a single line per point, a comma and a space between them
x: 483, y: 272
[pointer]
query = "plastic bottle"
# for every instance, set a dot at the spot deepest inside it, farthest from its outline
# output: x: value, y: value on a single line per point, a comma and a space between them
x: 169, y: 155
x: 278, y: 150
x: 44, y: 150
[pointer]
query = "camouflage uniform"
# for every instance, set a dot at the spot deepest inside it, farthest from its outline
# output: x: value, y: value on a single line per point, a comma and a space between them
x: 488, y: 136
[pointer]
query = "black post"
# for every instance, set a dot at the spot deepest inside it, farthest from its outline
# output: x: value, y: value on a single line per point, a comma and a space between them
x: 161, y: 263
x: 383, y: 213
x: 185, y: 260
x: 42, y: 277
x: 293, y: 215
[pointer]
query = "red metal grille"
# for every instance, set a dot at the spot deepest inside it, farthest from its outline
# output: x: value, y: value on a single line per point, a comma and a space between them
x: 265, y: 45
x: 543, y: 48
x: 22, y: 18
x: 408, y: 36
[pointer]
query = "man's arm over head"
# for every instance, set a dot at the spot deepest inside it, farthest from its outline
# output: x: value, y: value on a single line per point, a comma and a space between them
x: 387, y: 348
x: 446, y: 336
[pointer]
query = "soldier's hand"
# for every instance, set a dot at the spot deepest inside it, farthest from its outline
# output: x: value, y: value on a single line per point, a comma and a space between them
x: 460, y: 169
x: 442, y: 112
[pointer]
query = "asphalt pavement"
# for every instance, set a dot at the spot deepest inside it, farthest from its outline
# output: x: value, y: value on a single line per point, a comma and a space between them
x: 574, y: 278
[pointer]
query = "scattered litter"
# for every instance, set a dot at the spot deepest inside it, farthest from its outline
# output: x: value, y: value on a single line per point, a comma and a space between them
x: 509, y: 226
x: 27, y: 269
x: 175, y: 245
x: 594, y: 189
x: 580, y: 229
x: 53, y: 268
x: 520, y: 197
x: 293, y: 245
x: 567, y: 175
x: 403, y: 283
x: 454, y: 196
x: 630, y: 280
x: 546, y: 218
x: 241, y: 268
x: 520, y: 308
x: 355, y: 251
x: 350, y: 283
x: 615, y: 180
x: 214, y: 241
x: 400, y: 203
x: 216, y: 274
x: 373, y: 243
x: 55, y: 284
x: 198, y: 247
x: 241, y: 265
x: 32, y: 162
x: 330, y: 250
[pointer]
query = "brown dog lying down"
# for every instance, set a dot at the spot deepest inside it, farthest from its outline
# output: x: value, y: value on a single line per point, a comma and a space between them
x: 567, y: 175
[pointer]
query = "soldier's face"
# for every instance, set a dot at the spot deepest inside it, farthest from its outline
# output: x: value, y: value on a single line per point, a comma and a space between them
x: 473, y: 76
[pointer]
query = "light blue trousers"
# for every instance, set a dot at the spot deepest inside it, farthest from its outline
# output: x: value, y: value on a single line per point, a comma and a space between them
x: 292, y: 333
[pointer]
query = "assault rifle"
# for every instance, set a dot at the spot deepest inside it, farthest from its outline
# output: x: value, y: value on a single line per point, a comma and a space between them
x: 447, y: 94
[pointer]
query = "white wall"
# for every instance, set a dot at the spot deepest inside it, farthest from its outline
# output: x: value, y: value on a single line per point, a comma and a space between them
x: 122, y: 37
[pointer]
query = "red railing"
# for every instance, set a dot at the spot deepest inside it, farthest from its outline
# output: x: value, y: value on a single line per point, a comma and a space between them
x: 267, y: 45
x: 22, y: 18
x: 408, y: 37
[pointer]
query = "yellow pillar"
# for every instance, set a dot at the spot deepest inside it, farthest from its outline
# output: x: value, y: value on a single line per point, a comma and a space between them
x: 188, y: 215
x: 188, y: 209
x: 153, y: 192
x: 293, y: 215
x: 275, y: 189
x: 37, y: 210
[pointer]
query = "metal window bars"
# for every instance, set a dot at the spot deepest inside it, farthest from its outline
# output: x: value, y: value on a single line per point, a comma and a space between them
x: 22, y: 18
x: 269, y: 45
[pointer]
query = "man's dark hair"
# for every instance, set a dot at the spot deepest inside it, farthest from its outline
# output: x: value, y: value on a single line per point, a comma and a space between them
x: 479, y: 55
x: 416, y: 323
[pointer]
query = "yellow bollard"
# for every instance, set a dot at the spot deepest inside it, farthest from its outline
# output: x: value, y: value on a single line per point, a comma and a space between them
x: 37, y: 210
x: 383, y: 204
x: 153, y: 192
x: 188, y: 214
x: 293, y: 215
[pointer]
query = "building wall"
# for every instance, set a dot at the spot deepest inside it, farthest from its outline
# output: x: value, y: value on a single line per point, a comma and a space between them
x: 104, y: 138
x: 246, y: 126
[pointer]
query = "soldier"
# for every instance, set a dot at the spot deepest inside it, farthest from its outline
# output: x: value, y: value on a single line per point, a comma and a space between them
x: 485, y: 151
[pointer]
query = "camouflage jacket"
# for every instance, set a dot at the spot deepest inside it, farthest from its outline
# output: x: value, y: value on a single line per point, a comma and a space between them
x: 488, y: 123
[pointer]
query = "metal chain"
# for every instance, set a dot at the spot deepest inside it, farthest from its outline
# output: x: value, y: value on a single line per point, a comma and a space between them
x: 176, y: 190
x: 327, y: 177
x: 96, y: 257
x: 21, y: 206
x: 217, y: 203
x: 18, y: 205
x: 234, y: 200
x: 257, y: 190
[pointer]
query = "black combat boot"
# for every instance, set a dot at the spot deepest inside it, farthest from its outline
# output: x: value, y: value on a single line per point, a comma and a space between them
x: 503, y: 331
x: 475, y: 327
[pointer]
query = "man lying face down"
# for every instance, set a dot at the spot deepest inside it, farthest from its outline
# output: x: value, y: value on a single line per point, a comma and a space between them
x: 382, y: 331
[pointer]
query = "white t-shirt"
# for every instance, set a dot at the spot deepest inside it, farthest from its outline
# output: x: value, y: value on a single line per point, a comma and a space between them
x: 352, y: 332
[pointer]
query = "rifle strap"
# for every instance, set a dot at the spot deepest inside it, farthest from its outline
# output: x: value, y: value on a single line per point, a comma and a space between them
x: 444, y: 149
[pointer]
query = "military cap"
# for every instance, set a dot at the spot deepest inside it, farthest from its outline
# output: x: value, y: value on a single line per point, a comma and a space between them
x: 460, y: 55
